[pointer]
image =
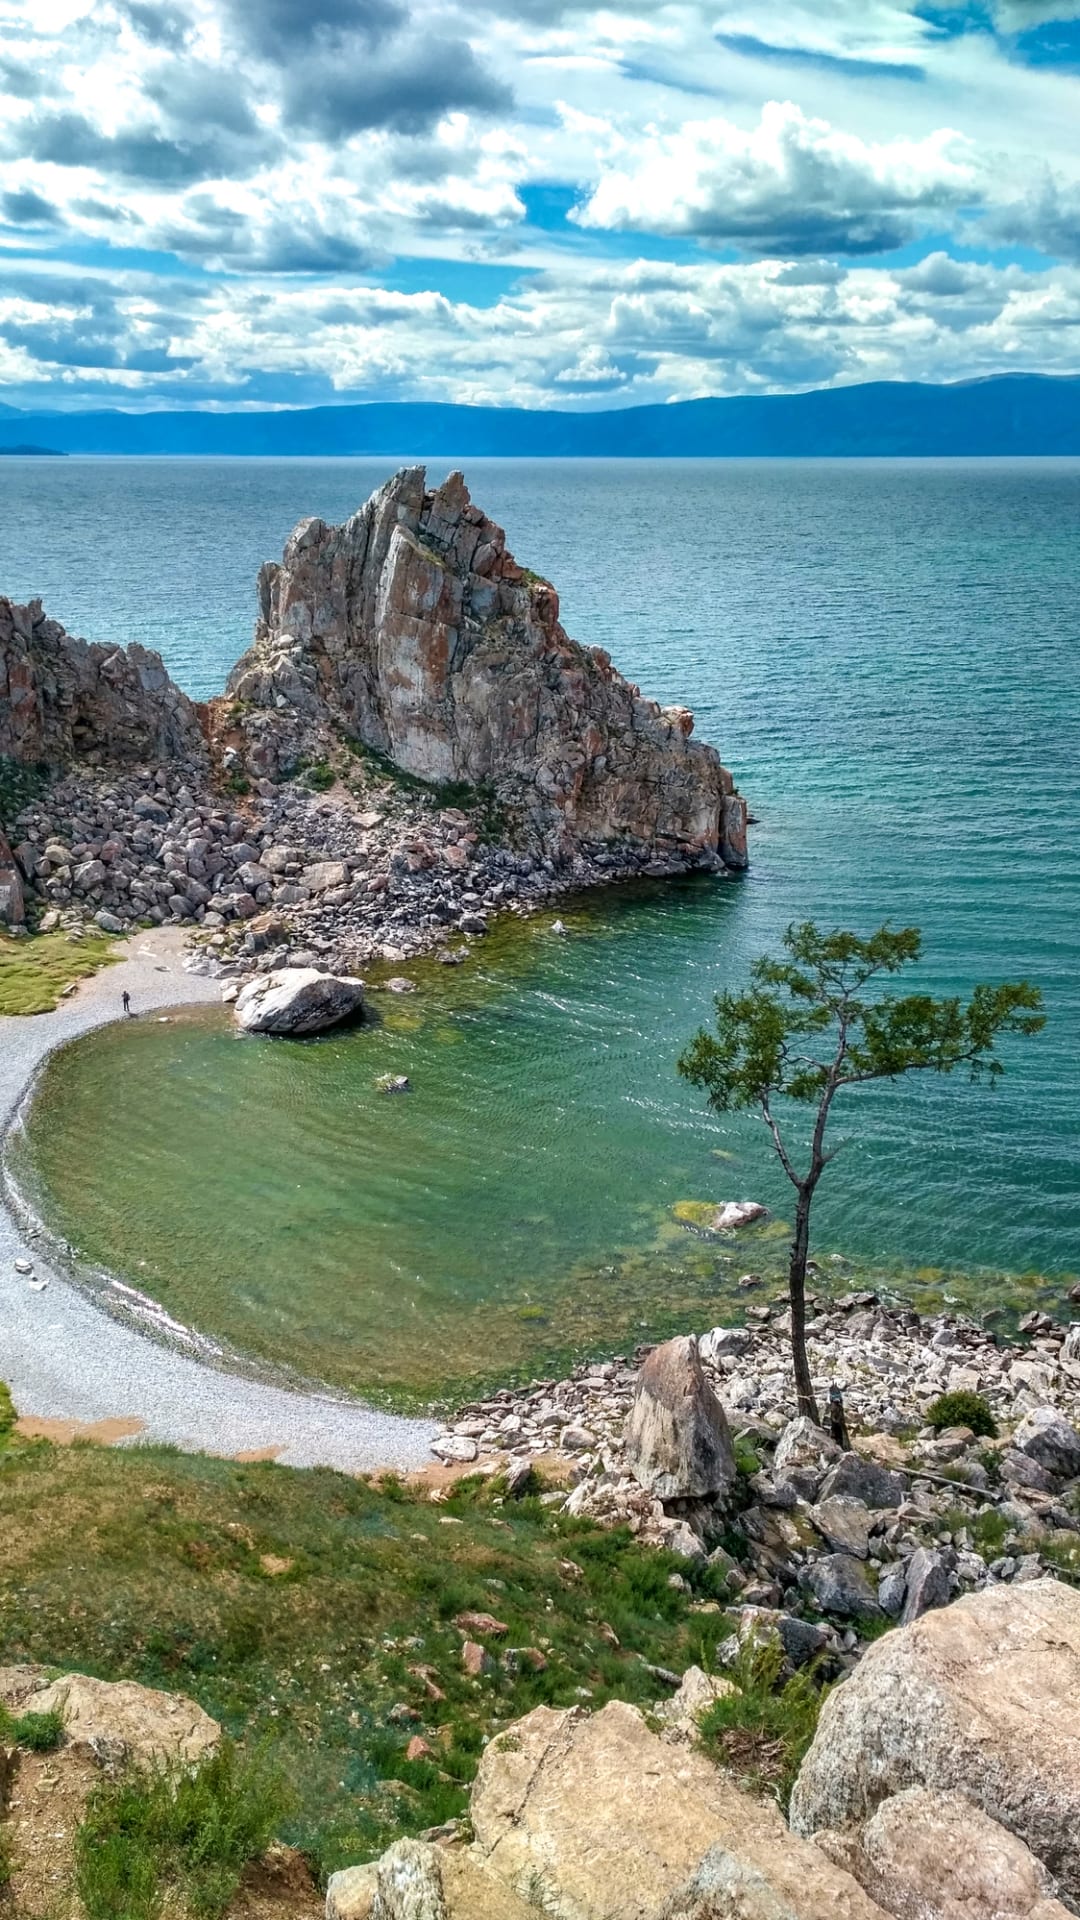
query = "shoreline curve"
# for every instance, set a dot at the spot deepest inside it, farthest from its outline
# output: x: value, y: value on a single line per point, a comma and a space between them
x: 71, y: 1364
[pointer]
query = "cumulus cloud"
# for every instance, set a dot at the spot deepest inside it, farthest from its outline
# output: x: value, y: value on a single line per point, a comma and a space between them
x: 408, y: 88
x: 789, y: 185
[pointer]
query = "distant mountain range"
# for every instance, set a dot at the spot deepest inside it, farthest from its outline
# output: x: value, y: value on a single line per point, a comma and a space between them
x: 1006, y: 414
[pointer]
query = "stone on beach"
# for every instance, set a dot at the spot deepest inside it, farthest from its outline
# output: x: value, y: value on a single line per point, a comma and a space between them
x: 297, y: 1001
x: 677, y: 1438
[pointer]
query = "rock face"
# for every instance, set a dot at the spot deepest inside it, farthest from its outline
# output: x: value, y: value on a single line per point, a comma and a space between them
x: 62, y: 698
x: 982, y: 1697
x: 677, y: 1439
x: 935, y: 1856
x: 413, y: 629
x: 297, y: 1001
x: 592, y: 1817
x: 12, y: 901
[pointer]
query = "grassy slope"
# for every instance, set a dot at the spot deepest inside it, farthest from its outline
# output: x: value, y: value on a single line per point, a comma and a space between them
x: 291, y: 1605
x: 35, y: 969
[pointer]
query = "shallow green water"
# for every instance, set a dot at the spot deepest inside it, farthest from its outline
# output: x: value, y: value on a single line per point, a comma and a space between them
x: 888, y: 653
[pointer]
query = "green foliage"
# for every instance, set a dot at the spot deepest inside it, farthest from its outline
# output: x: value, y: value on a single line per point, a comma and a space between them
x: 5, y: 1861
x: 238, y: 784
x: 320, y: 777
x: 805, y: 1029
x: 763, y: 1729
x: 191, y: 1833
x: 8, y: 1415
x: 36, y: 1732
x: 962, y: 1410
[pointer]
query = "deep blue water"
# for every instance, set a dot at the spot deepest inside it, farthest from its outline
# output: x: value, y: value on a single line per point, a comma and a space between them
x: 886, y: 653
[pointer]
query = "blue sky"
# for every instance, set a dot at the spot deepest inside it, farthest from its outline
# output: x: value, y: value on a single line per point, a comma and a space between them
x: 543, y: 203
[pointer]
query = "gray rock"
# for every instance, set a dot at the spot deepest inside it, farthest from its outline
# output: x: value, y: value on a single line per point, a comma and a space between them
x: 296, y: 1001
x: 107, y: 921
x: 864, y: 1480
x: 891, y: 1590
x: 801, y: 1640
x: 678, y: 1444
x: 1048, y: 1439
x: 844, y: 1523
x: 802, y: 1444
x: 927, y: 1584
x: 840, y: 1584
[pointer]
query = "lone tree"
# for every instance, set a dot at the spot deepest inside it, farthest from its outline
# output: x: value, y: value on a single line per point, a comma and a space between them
x: 804, y: 1031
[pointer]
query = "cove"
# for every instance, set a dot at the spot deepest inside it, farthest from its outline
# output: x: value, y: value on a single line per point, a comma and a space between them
x: 514, y: 1211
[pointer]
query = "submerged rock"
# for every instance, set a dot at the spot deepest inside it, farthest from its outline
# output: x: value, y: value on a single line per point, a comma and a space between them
x: 297, y: 1001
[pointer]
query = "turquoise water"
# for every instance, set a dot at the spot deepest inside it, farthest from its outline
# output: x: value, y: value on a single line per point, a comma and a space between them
x: 888, y: 655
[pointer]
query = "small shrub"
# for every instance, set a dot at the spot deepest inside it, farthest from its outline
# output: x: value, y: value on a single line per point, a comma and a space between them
x: 190, y: 1834
x: 8, y: 1415
x: 764, y: 1728
x: 319, y: 777
x: 962, y: 1410
x: 238, y: 783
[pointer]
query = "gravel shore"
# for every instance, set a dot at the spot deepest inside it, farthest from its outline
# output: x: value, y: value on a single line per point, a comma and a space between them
x: 67, y: 1361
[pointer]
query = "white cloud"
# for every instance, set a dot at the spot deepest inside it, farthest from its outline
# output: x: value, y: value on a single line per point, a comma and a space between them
x: 790, y: 184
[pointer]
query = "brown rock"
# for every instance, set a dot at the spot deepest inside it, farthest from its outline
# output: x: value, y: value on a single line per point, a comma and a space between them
x: 120, y: 1718
x: 678, y: 1445
x: 481, y: 1623
x: 593, y: 1817
x: 476, y: 1659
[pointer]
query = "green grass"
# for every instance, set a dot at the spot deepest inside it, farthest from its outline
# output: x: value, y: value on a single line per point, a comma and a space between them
x: 186, y: 1833
x: 36, y: 1732
x: 35, y: 968
x: 764, y: 1728
x: 8, y: 1415
x: 314, y: 1616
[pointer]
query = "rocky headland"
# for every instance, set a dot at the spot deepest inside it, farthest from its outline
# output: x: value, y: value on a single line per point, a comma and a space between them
x: 412, y: 744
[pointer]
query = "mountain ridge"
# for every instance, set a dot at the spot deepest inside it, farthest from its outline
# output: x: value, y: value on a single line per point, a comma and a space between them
x: 1002, y: 414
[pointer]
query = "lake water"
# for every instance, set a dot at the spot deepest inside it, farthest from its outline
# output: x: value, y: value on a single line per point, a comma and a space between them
x: 888, y: 656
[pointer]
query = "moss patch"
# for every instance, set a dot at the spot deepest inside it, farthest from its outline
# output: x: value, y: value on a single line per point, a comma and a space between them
x: 35, y: 969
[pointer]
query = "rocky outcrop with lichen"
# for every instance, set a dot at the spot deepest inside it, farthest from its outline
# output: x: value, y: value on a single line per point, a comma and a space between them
x: 64, y: 699
x: 413, y: 630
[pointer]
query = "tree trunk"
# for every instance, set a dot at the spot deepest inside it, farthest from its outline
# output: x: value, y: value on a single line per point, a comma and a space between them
x: 800, y: 1248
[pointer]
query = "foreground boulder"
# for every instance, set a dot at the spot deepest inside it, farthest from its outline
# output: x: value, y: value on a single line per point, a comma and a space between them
x: 935, y: 1856
x: 297, y: 1001
x: 118, y: 1719
x: 415, y: 1880
x: 413, y: 629
x: 594, y: 1817
x: 982, y: 1697
x: 678, y: 1444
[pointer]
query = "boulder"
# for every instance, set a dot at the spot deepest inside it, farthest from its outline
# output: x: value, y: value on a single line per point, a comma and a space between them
x: 120, y: 1719
x: 981, y: 1697
x: 678, y: 1445
x: 12, y: 897
x: 843, y: 1523
x: 680, y: 1714
x: 935, y: 1856
x: 594, y: 1817
x: 854, y: 1478
x: 738, y: 1213
x: 802, y: 1444
x: 297, y: 1001
x: 840, y: 1584
x: 926, y: 1585
x: 414, y: 1880
x: 1046, y: 1437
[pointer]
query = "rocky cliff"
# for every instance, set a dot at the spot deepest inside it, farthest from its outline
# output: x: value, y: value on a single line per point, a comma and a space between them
x: 412, y: 629
x: 63, y: 699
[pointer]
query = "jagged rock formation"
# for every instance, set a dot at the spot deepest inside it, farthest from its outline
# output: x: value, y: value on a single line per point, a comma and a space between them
x: 63, y: 699
x: 413, y: 629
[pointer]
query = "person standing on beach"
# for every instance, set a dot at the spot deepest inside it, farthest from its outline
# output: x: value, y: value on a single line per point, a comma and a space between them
x: 125, y: 999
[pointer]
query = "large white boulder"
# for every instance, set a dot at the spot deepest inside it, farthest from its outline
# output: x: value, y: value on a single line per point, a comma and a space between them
x: 982, y: 1697
x: 297, y: 1001
x: 120, y: 1719
x: 595, y: 1817
x: 935, y: 1856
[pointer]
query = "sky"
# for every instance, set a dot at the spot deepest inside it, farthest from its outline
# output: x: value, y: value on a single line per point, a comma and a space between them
x: 539, y: 203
